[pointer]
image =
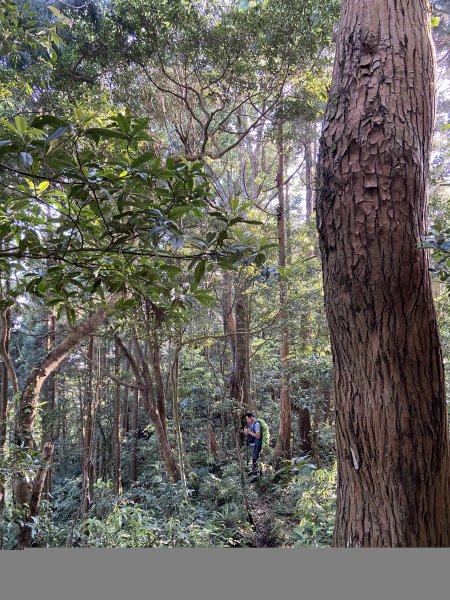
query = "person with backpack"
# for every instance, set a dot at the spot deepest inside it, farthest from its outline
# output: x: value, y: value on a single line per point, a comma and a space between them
x: 254, y: 441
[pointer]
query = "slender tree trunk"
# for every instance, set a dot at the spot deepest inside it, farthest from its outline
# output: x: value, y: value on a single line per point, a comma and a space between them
x: 134, y: 437
x: 175, y: 373
x: 212, y: 445
x: 327, y: 397
x: 304, y: 430
x: 157, y: 374
x: 240, y: 385
x: 29, y: 398
x: 283, y: 448
x: 391, y: 418
x: 125, y: 411
x: 144, y: 381
x: 308, y: 174
x: 6, y: 332
x: 229, y: 325
x: 117, y: 425
x: 315, y: 428
x: 26, y: 534
x: 50, y: 399
x: 86, y: 498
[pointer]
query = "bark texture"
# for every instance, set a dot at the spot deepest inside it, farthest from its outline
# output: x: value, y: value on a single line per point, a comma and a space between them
x: 391, y: 421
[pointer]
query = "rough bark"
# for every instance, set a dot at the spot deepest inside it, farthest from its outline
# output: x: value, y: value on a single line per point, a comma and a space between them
x: 391, y: 421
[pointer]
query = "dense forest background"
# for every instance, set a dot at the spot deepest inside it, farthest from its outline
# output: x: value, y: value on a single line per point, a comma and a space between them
x: 161, y: 275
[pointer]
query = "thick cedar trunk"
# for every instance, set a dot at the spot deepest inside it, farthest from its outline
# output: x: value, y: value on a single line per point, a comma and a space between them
x: 391, y: 420
x: 283, y: 448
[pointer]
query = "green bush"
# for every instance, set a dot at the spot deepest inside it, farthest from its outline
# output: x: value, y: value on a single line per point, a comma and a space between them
x: 316, y: 508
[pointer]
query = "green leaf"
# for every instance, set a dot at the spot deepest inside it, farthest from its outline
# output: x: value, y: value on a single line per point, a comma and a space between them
x: 179, y: 211
x: 204, y: 297
x: 140, y: 160
x: 234, y: 203
x: 199, y: 271
x: 42, y: 120
x: 101, y: 132
x: 8, y: 125
x: 21, y: 124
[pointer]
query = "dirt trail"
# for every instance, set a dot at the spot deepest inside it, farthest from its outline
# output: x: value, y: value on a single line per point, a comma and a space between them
x: 260, y: 512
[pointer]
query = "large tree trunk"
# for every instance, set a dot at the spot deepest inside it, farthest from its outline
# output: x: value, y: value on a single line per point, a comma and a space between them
x: 391, y: 420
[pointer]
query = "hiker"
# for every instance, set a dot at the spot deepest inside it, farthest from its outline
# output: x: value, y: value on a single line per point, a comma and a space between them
x: 253, y: 432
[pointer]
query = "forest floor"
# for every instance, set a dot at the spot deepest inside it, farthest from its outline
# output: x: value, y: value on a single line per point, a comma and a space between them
x: 271, y: 529
x: 261, y: 515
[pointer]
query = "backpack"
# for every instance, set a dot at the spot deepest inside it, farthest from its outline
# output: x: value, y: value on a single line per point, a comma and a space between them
x: 265, y: 433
